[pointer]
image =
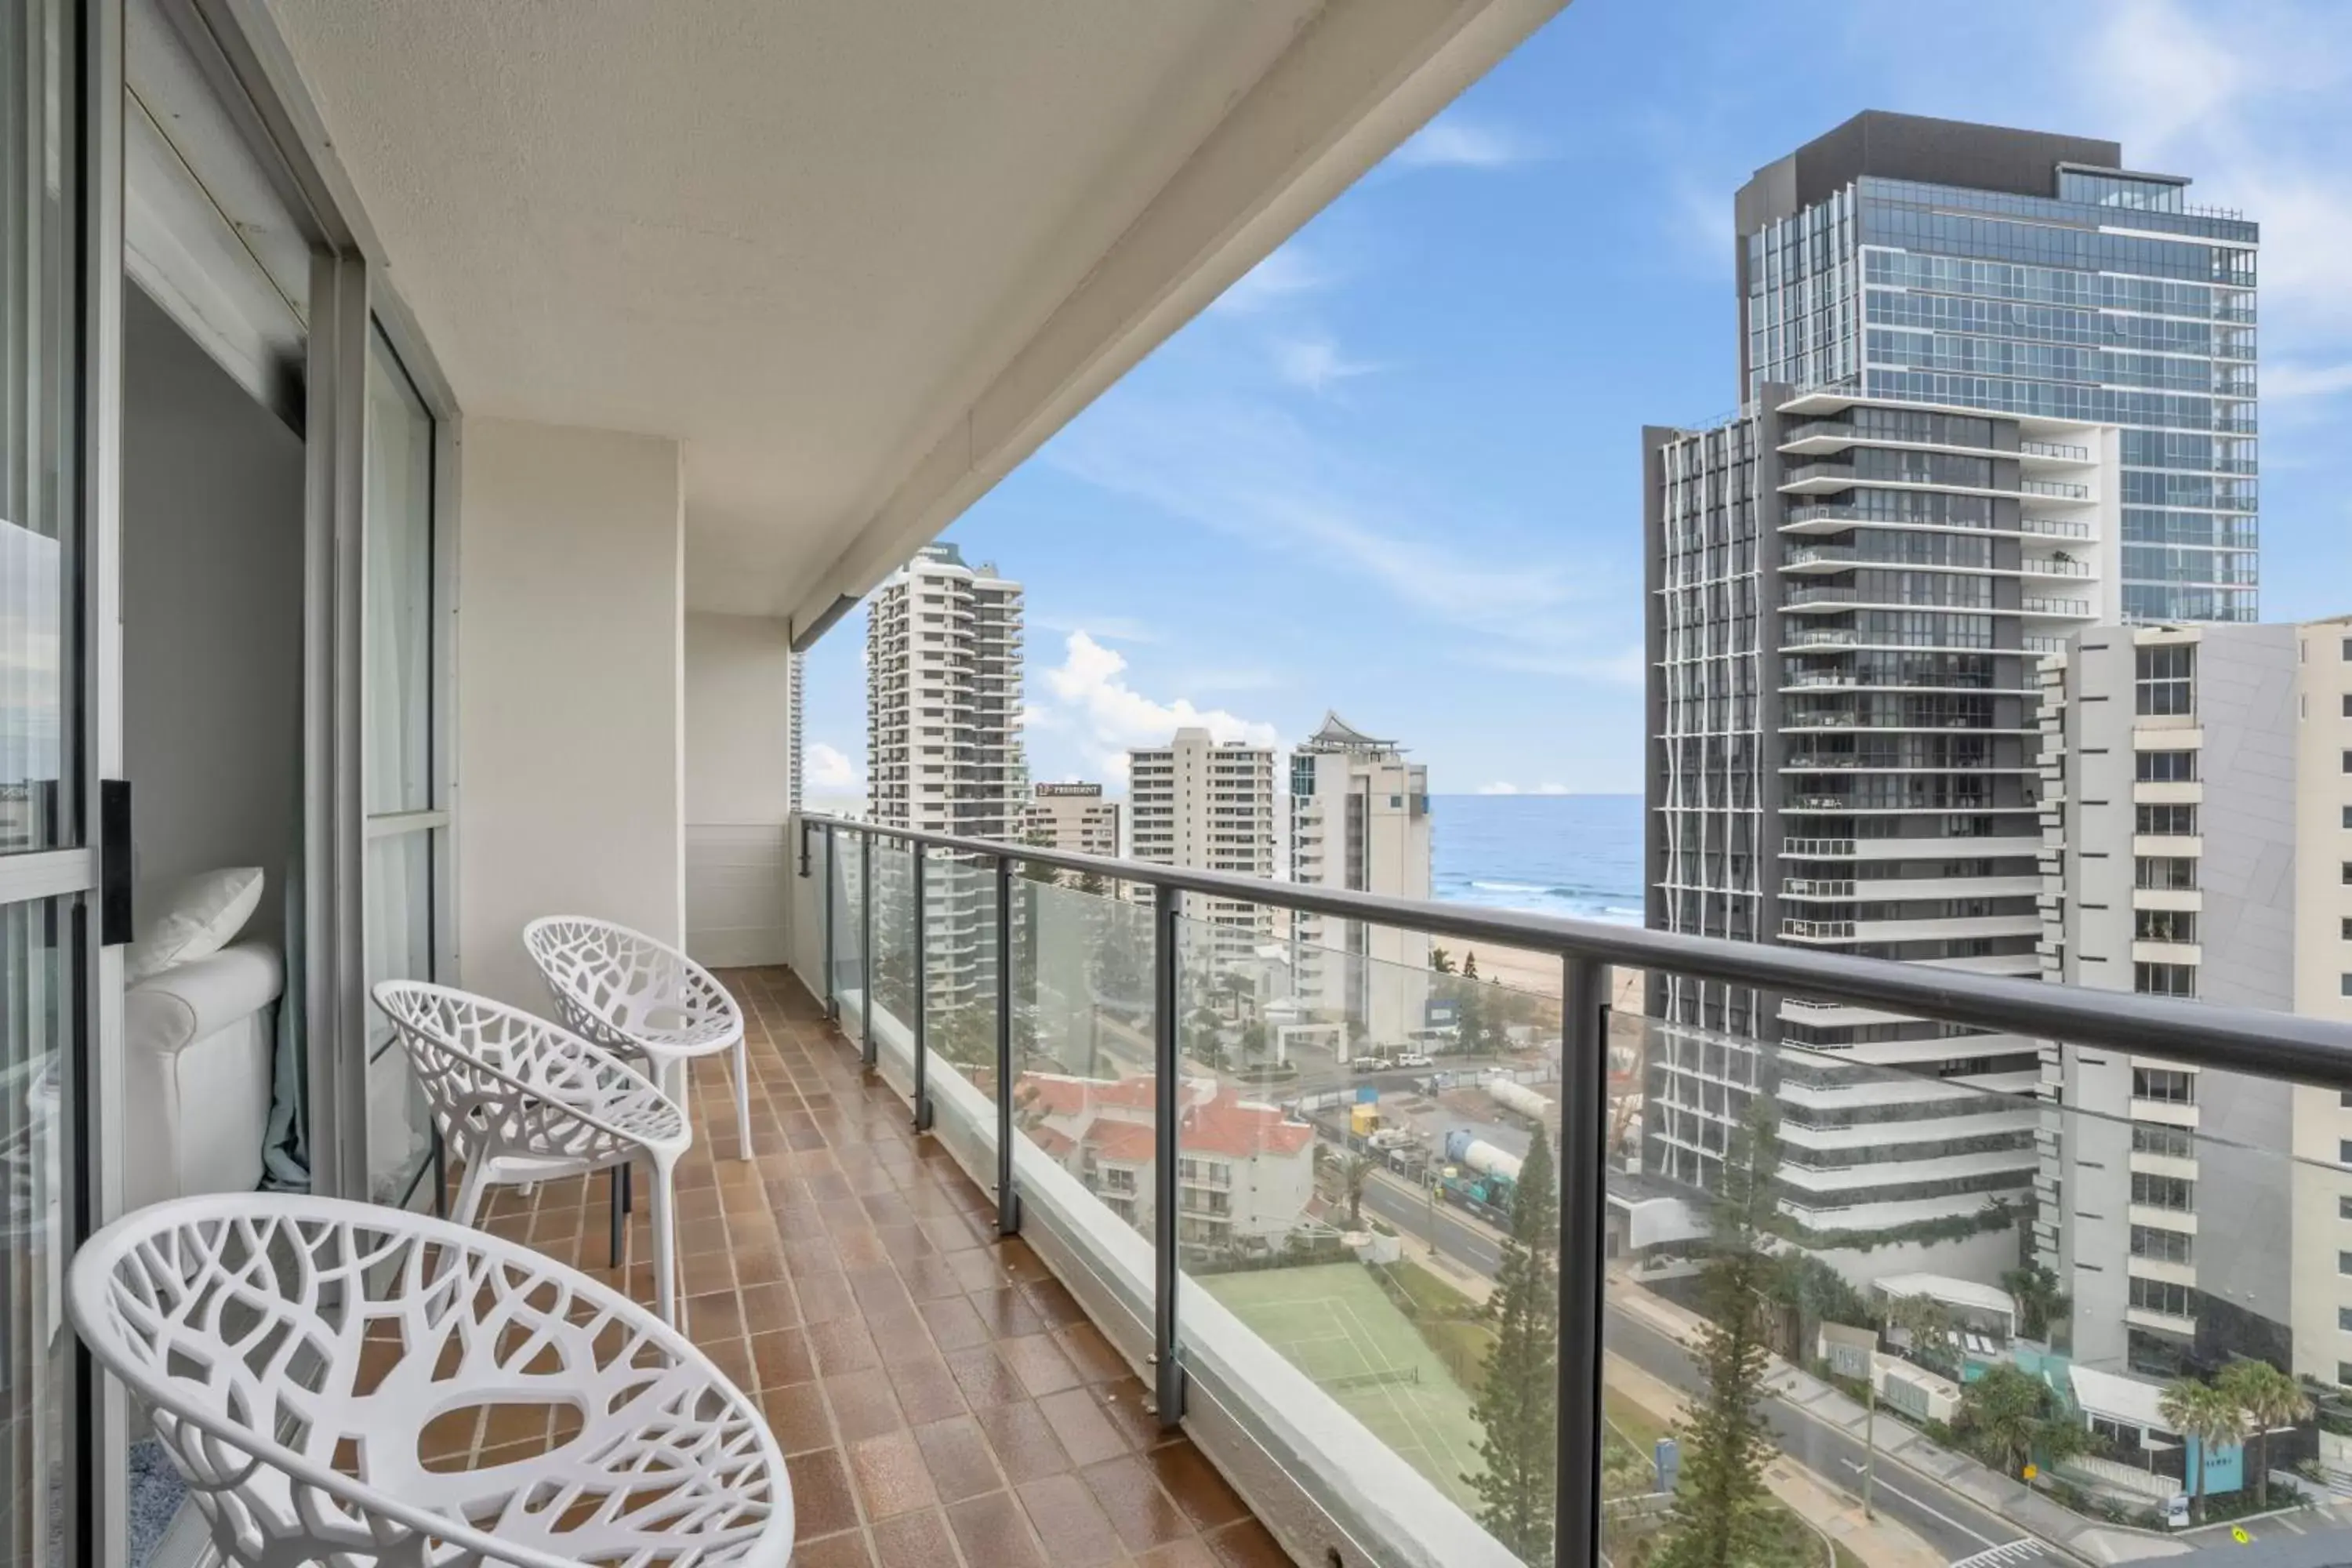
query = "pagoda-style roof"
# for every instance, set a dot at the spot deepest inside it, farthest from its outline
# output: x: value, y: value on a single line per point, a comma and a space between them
x: 1338, y: 735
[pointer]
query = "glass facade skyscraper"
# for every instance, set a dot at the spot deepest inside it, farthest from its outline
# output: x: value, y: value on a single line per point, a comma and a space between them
x: 1975, y: 267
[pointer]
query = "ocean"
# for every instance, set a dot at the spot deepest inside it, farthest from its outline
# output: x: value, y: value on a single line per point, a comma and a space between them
x: 1550, y: 854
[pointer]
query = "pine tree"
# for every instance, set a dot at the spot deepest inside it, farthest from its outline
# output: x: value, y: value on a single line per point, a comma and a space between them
x: 1722, y: 1514
x: 1519, y: 1405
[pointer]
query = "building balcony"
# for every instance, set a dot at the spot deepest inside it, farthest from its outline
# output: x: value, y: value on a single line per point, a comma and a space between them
x: 1819, y: 558
x: 1816, y: 931
x: 2054, y: 527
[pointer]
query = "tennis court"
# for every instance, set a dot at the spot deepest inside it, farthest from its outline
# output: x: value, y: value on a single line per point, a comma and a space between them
x: 1332, y: 1321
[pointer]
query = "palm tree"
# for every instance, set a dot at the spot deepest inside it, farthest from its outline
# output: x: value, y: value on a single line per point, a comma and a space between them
x: 1440, y: 961
x: 2269, y: 1399
x: 1354, y: 1171
x: 2208, y: 1419
x: 2002, y: 1411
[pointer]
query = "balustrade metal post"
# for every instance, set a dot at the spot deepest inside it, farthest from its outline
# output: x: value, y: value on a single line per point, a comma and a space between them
x: 1167, y: 1370
x: 866, y: 948
x: 922, y: 1030
x: 832, y: 870
x: 1583, y: 1124
x: 1008, y: 1196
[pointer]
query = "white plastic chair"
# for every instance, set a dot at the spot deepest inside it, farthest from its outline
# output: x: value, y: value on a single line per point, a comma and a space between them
x: 522, y: 1100
x: 628, y: 992
x: 294, y: 1350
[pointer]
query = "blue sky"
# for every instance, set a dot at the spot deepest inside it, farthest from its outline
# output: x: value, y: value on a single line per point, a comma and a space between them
x: 1395, y: 472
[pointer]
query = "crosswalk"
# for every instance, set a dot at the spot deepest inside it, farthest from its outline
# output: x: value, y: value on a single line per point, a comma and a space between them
x: 2024, y: 1549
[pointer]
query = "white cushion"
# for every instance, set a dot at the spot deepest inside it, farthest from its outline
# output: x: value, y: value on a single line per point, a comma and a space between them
x: 204, y: 915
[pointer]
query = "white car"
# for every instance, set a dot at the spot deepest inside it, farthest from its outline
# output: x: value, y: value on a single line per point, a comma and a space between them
x: 1414, y: 1059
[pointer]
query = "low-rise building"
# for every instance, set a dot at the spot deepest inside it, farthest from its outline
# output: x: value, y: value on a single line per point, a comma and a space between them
x: 1244, y: 1171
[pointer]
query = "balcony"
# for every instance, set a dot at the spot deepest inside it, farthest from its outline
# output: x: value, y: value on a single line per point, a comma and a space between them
x: 2062, y: 609
x: 2053, y: 527
x: 1816, y: 931
x: 1819, y: 558
x: 1899, y: 1137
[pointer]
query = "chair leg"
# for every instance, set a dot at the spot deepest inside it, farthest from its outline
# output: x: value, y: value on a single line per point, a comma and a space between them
x: 470, y: 1190
x: 742, y: 1099
x: 666, y: 1300
x: 619, y: 1179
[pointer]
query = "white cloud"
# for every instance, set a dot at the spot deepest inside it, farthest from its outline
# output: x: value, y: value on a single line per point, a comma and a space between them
x: 2281, y: 382
x: 2247, y: 100
x: 1499, y: 786
x: 1450, y: 142
x: 1315, y: 363
x: 1090, y: 690
x: 1289, y: 271
x: 828, y: 768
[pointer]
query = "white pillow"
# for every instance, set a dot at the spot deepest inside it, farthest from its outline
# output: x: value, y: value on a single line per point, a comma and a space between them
x: 202, y: 915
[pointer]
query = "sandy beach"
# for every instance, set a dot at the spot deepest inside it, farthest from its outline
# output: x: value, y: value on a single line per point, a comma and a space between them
x: 1539, y: 973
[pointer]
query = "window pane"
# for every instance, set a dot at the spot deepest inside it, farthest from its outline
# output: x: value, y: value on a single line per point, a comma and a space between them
x: 37, y: 546
x: 399, y: 947
x: 396, y: 700
x: 36, y: 1155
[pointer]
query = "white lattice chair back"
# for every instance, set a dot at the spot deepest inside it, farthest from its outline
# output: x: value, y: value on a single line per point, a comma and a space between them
x: 505, y: 1085
x: 628, y: 991
x: 295, y: 1350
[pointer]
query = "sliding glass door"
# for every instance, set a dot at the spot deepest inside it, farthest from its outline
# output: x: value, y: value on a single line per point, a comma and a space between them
x: 402, y: 792
x: 48, y: 832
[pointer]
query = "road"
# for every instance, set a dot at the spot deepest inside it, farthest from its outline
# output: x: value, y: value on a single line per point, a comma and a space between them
x: 1457, y: 1236
x: 1953, y: 1525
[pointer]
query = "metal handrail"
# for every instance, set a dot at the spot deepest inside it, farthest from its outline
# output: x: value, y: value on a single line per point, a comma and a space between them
x: 2204, y: 1034
x: 2274, y: 1045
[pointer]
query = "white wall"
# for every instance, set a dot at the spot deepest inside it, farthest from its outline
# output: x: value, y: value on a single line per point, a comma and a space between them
x: 738, y: 779
x: 570, y: 708
x: 212, y: 590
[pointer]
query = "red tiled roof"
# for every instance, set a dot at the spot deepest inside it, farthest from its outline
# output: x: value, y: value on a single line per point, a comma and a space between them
x: 1217, y: 1121
x: 1058, y: 1094
x: 1224, y: 1124
x: 1125, y: 1142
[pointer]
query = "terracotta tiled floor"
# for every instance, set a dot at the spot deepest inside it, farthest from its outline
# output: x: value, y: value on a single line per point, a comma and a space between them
x: 939, y: 1397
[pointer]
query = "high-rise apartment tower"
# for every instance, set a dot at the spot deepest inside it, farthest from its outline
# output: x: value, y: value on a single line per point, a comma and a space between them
x: 943, y: 737
x: 1359, y: 819
x: 1995, y: 387
x: 1196, y: 803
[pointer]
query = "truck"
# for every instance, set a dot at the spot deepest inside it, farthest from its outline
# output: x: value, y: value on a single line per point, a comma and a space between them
x: 1477, y: 1177
x: 1519, y: 1099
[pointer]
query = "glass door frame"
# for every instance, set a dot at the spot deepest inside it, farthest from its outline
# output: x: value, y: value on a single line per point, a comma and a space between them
x: 252, y: 73
x: 350, y: 305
